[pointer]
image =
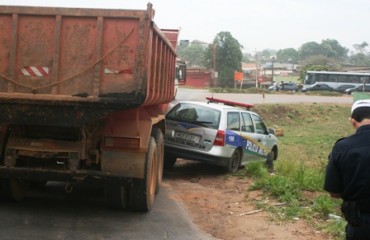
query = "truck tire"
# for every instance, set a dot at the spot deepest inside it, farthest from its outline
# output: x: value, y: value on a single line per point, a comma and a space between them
x: 4, y: 189
x: 116, y: 196
x: 142, y: 191
x: 158, y: 137
x: 14, y: 189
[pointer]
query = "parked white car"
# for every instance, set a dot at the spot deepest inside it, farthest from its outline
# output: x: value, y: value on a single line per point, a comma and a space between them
x: 218, y: 134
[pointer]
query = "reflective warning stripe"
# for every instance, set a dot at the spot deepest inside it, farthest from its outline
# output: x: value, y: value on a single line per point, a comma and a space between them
x: 111, y: 71
x: 33, y: 71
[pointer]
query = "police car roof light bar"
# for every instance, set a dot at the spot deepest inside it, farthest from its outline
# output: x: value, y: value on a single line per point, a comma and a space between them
x: 229, y: 103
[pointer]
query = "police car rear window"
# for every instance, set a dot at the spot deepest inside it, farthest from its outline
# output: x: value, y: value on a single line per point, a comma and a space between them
x: 195, y: 114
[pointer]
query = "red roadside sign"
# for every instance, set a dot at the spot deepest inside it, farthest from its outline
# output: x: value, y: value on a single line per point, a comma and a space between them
x: 238, y: 76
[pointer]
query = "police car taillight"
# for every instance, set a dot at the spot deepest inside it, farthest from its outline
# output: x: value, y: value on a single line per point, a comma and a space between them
x: 220, y: 138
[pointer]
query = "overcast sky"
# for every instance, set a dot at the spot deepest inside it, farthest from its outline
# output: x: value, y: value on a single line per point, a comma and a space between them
x: 256, y: 24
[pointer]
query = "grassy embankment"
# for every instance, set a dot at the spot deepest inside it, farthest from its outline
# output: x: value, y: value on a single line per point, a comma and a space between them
x: 310, y: 130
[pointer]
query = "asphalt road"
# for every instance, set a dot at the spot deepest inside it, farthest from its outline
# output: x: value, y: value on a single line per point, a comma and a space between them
x: 50, y: 213
x: 199, y: 95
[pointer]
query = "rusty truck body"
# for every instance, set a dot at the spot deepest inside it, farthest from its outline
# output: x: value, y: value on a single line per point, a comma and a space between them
x: 83, y: 94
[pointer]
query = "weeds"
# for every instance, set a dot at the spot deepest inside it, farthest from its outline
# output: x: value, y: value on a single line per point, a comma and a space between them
x: 310, y: 132
x: 323, y: 205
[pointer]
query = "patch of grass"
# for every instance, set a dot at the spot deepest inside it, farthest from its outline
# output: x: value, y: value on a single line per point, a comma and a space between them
x: 310, y: 131
x: 323, y: 205
x: 360, y: 95
x: 289, y: 212
x: 334, y: 228
x: 256, y: 170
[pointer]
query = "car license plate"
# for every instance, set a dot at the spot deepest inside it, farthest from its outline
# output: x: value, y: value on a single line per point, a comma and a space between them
x: 190, y: 137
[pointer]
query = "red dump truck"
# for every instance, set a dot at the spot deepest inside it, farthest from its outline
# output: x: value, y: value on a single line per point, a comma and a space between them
x: 83, y: 94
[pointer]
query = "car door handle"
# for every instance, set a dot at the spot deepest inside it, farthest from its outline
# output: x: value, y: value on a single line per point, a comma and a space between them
x: 259, y: 140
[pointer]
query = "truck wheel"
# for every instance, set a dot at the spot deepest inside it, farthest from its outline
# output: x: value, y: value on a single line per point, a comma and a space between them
x: 158, y: 136
x: 142, y: 191
x: 116, y: 196
x: 234, y: 162
x: 14, y: 189
x: 4, y: 189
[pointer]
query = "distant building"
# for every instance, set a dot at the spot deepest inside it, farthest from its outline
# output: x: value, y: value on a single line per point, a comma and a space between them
x: 198, y: 78
x: 202, y: 78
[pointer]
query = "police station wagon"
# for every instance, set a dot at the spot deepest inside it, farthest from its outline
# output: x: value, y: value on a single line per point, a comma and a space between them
x: 217, y: 133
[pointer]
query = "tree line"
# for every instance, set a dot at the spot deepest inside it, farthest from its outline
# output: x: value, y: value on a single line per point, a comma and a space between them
x: 225, y: 55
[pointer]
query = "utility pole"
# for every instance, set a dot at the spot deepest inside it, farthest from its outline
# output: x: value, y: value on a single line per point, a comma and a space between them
x: 257, y: 69
x: 272, y: 68
x: 214, y: 64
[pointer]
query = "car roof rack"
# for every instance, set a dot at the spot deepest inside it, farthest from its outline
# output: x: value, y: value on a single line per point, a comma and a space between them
x: 229, y: 103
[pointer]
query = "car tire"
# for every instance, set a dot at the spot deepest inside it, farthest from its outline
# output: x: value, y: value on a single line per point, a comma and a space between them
x: 169, y: 161
x: 234, y: 162
x: 270, y: 161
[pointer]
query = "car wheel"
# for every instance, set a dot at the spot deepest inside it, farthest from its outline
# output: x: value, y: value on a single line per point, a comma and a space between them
x: 270, y: 161
x: 169, y: 161
x: 234, y: 162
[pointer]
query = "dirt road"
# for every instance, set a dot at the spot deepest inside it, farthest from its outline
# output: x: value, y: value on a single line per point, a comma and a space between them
x: 225, y: 208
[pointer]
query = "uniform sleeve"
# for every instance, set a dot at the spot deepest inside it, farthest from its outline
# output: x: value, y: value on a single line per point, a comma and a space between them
x: 333, y: 180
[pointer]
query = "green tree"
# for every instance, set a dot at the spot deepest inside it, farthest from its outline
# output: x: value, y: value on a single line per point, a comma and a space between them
x: 329, y: 48
x: 332, y: 49
x: 192, y: 53
x: 313, y: 67
x: 309, y: 49
x: 360, y: 48
x: 287, y: 55
x: 318, y: 63
x: 225, y: 53
x: 246, y: 57
x: 267, y: 54
x: 360, y: 59
x: 320, y: 60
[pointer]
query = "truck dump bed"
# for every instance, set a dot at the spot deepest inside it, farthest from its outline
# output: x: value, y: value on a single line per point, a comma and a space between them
x: 61, y: 65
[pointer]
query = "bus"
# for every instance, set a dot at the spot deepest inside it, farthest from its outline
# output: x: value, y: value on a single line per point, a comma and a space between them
x: 338, y: 81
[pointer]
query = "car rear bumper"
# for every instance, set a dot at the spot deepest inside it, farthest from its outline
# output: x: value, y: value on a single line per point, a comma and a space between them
x: 198, y: 156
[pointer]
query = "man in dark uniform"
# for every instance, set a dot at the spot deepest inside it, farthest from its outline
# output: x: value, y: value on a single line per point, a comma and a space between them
x: 348, y: 173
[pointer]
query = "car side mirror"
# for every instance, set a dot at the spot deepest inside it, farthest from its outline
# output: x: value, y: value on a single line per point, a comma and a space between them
x: 271, y: 131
